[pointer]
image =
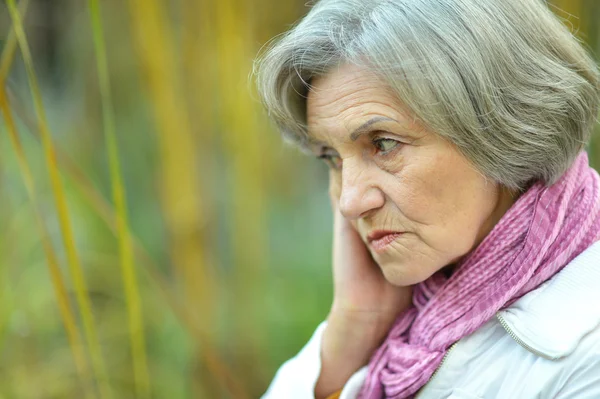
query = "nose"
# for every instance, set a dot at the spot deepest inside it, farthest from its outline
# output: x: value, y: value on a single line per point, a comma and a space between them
x: 359, y: 194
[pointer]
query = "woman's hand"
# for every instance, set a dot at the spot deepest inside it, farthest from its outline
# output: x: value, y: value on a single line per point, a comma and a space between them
x: 364, y: 308
x: 360, y: 289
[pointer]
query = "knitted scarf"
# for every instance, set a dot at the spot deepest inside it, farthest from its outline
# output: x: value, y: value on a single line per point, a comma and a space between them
x: 543, y: 231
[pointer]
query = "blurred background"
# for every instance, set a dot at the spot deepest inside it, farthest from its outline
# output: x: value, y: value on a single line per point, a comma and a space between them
x: 157, y: 239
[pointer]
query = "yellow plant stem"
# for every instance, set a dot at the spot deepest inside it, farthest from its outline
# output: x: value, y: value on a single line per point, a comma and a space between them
x: 10, y: 47
x: 62, y: 295
x: 247, y: 170
x: 180, y: 182
x: 132, y: 295
x: 104, y: 210
x: 219, y: 369
x: 180, y: 189
x: 60, y: 289
x: 75, y: 268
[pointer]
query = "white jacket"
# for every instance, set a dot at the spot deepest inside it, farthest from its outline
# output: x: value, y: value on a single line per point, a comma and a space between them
x: 545, y: 345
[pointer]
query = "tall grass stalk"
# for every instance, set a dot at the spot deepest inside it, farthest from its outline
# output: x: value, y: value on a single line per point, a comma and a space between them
x: 10, y: 46
x: 132, y: 295
x: 60, y: 289
x: 180, y: 188
x: 222, y: 373
x: 183, y: 207
x: 247, y: 152
x: 107, y: 213
x: 75, y: 268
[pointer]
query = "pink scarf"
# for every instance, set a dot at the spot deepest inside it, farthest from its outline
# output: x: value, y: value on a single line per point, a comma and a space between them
x: 543, y: 231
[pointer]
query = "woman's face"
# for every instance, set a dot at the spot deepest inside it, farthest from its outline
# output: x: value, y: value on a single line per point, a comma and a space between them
x: 417, y: 203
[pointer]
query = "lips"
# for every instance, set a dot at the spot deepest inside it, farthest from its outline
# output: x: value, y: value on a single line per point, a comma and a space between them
x: 380, y: 239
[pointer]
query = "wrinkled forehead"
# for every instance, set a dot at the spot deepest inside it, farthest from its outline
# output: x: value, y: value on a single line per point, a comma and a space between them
x: 348, y: 99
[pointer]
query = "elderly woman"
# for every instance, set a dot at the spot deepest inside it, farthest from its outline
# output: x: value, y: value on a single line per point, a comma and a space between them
x: 466, y: 217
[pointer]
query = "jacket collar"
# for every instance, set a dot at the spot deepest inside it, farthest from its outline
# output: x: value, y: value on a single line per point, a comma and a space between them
x: 552, y: 319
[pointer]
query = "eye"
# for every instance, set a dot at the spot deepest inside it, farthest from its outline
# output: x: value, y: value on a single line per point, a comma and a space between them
x: 333, y: 161
x: 385, y: 145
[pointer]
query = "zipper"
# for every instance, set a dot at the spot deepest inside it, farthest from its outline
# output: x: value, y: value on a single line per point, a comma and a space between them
x: 442, y: 362
x: 512, y: 335
x: 519, y: 341
x: 439, y: 367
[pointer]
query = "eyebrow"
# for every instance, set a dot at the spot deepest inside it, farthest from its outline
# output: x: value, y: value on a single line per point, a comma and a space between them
x: 364, y: 128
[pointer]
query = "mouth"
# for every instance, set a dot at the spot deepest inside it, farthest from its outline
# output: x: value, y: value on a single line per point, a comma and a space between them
x: 379, y: 240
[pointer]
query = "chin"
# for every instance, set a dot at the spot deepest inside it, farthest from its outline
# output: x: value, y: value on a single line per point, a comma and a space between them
x: 402, y: 275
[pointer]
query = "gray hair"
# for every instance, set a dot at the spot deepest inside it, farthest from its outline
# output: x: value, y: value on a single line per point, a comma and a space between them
x: 503, y: 80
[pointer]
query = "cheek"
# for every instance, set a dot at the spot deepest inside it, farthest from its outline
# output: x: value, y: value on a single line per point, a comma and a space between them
x: 463, y: 204
x: 435, y: 199
x: 417, y: 193
x: 442, y: 189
